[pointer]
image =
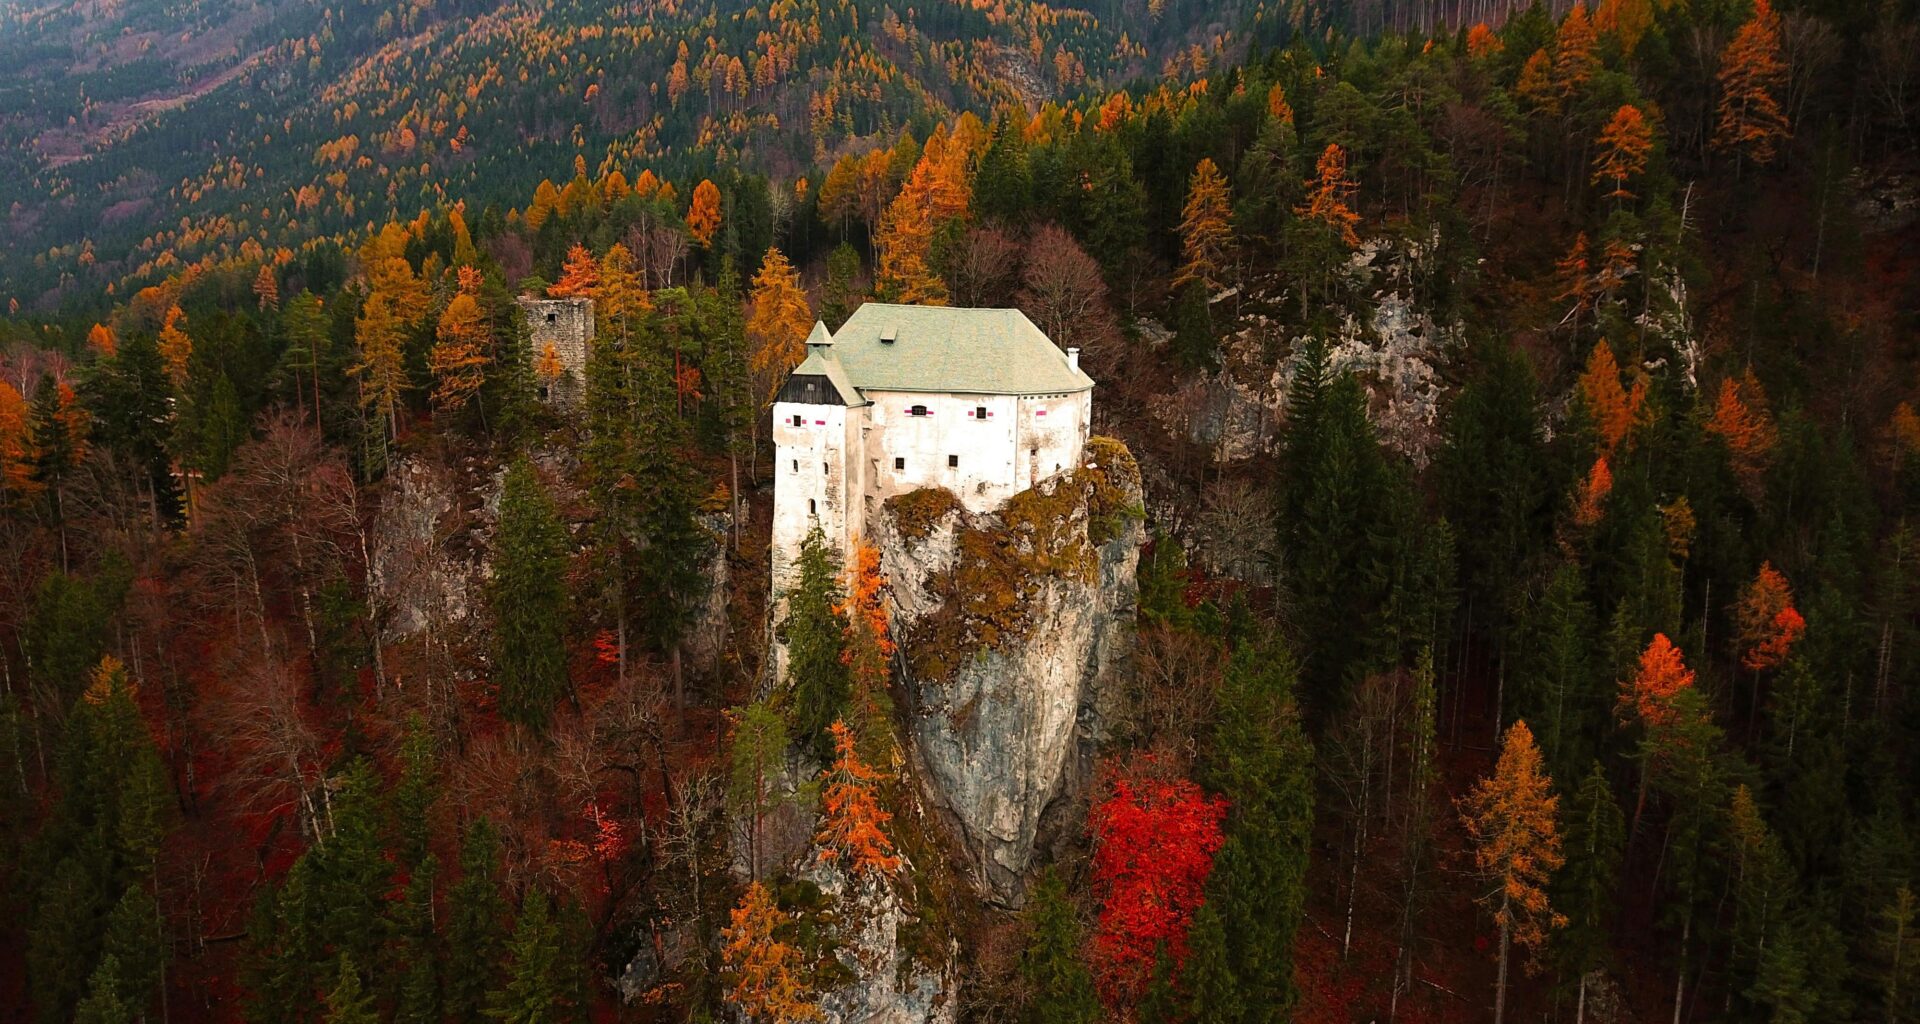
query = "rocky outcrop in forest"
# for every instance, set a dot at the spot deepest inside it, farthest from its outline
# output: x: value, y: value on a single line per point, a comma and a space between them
x: 1007, y: 623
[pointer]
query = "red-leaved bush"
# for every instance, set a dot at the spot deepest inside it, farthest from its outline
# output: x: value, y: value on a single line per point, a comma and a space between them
x: 1155, y: 837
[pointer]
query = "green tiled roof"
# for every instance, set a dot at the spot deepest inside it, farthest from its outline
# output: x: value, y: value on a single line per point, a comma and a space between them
x: 941, y: 348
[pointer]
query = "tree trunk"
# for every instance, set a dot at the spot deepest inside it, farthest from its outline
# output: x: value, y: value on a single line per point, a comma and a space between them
x: 1500, y: 986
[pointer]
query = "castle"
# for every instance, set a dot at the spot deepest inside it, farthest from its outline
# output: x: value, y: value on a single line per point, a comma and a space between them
x: 977, y: 401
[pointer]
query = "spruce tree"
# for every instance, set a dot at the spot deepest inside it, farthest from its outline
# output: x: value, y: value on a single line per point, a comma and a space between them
x: 1262, y: 763
x: 1161, y: 1002
x: 528, y: 598
x: 103, y: 1003
x: 134, y: 942
x: 476, y: 926
x: 1059, y: 986
x: 348, y: 1001
x: 815, y: 635
x: 536, y: 988
x: 1586, y: 888
x: 1213, y: 993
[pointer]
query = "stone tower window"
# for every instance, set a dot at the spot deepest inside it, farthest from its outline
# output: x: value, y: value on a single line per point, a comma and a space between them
x: 953, y: 462
x: 812, y: 508
x: 899, y: 464
x: 552, y: 317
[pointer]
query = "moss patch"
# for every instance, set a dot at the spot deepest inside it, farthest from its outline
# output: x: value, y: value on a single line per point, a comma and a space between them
x: 1045, y: 534
x: 916, y: 512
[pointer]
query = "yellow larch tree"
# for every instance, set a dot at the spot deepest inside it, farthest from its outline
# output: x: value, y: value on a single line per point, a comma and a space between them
x: 853, y: 824
x: 1625, y: 144
x: 703, y: 217
x: 175, y: 347
x: 1511, y: 818
x: 1329, y: 195
x: 780, y: 322
x: 1206, y: 228
x: 579, y: 276
x: 1751, y: 73
x: 762, y: 972
x: 460, y: 353
x: 381, y: 364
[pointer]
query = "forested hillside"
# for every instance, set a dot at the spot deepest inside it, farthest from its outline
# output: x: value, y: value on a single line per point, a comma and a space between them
x: 1527, y: 622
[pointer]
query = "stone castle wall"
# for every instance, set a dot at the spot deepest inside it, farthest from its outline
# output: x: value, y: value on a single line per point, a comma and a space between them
x: 558, y: 334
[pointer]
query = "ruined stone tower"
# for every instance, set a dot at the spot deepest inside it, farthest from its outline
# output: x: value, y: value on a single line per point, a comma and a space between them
x: 558, y: 333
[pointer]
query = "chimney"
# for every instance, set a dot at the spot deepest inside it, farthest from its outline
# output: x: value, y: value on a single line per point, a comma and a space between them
x: 1073, y: 358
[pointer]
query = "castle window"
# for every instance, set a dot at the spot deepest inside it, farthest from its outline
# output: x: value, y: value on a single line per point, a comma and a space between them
x: 798, y: 420
x: 826, y: 470
x: 899, y: 464
x: 551, y: 317
x: 918, y: 410
x: 980, y: 412
x: 796, y: 465
x: 812, y: 508
x: 953, y: 462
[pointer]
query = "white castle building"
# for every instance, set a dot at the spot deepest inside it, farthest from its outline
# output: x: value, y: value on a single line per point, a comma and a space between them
x: 977, y: 401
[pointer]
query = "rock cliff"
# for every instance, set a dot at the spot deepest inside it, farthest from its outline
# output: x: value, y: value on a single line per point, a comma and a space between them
x: 1007, y: 622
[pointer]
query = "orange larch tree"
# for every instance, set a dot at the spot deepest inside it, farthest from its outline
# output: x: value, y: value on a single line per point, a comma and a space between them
x: 868, y: 652
x: 101, y: 339
x: 1483, y: 43
x: 17, y: 483
x: 381, y: 367
x: 1277, y: 106
x: 266, y: 287
x: 1329, y: 193
x: 1511, y: 817
x: 935, y: 193
x: 780, y: 322
x: 1615, y: 411
x: 703, y: 217
x: 1626, y: 20
x: 459, y: 356
x: 1535, y: 86
x: 1768, y: 623
x: 1575, y: 274
x: 1592, y: 502
x: 1574, y: 60
x: 762, y: 971
x: 1743, y: 423
x: 1751, y: 73
x: 1206, y: 228
x: 579, y: 276
x: 175, y: 347
x: 853, y: 824
x: 1647, y: 698
x: 1625, y: 144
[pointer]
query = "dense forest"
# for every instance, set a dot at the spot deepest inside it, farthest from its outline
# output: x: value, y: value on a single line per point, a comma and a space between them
x: 1527, y: 624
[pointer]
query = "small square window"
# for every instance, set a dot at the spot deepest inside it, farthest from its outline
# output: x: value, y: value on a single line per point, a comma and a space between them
x: 918, y: 410
x: 798, y: 420
x: 953, y: 462
x: 899, y: 463
x: 980, y: 412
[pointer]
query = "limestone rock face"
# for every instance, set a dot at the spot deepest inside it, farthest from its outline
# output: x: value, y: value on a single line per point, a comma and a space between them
x: 889, y: 984
x: 1007, y: 622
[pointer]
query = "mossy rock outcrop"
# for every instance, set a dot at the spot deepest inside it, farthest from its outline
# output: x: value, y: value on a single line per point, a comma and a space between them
x: 1006, y: 622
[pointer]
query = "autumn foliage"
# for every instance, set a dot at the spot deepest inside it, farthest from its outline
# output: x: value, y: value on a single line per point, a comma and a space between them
x: 1510, y: 817
x: 1614, y: 410
x: 1751, y: 121
x: 853, y: 829
x: 703, y: 217
x: 1155, y: 837
x: 1743, y: 423
x: 763, y: 972
x: 780, y: 321
x: 1662, y: 674
x: 1769, y: 625
x: 1591, y: 505
x: 1206, y: 232
x: 1330, y: 193
x: 1624, y: 146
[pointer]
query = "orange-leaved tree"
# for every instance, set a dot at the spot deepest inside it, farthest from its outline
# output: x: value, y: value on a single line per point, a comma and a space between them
x: 1277, y: 106
x: 1648, y: 699
x: 17, y: 453
x: 1511, y: 818
x: 1535, y: 86
x: 101, y: 339
x: 1743, y: 423
x: 1574, y: 60
x: 868, y: 651
x: 1482, y: 42
x: 460, y: 353
x: 175, y: 347
x: 579, y: 276
x: 1591, y: 504
x: 764, y: 973
x: 381, y: 365
x: 1768, y: 623
x: 1626, y: 20
x: 1206, y: 228
x: 266, y: 287
x: 1625, y: 144
x: 780, y: 321
x: 1613, y: 409
x: 853, y: 823
x: 1575, y: 274
x: 703, y: 217
x: 1329, y: 194
x: 1751, y: 72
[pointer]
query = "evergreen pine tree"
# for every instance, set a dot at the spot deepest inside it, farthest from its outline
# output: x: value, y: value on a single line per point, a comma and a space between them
x: 1262, y: 763
x: 103, y: 1004
x: 1161, y: 1002
x: 348, y: 1001
x: 535, y: 989
x: 815, y: 634
x: 134, y: 942
x: 1585, y: 890
x: 476, y: 925
x: 528, y: 597
x: 1213, y: 993
x: 1059, y: 986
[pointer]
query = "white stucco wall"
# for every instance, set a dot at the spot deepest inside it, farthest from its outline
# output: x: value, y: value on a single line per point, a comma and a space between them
x: 952, y: 429
x: 811, y: 482
x: 1052, y: 434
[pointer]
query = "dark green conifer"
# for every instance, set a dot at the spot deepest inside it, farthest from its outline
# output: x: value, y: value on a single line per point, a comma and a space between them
x: 528, y: 597
x: 1059, y: 986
